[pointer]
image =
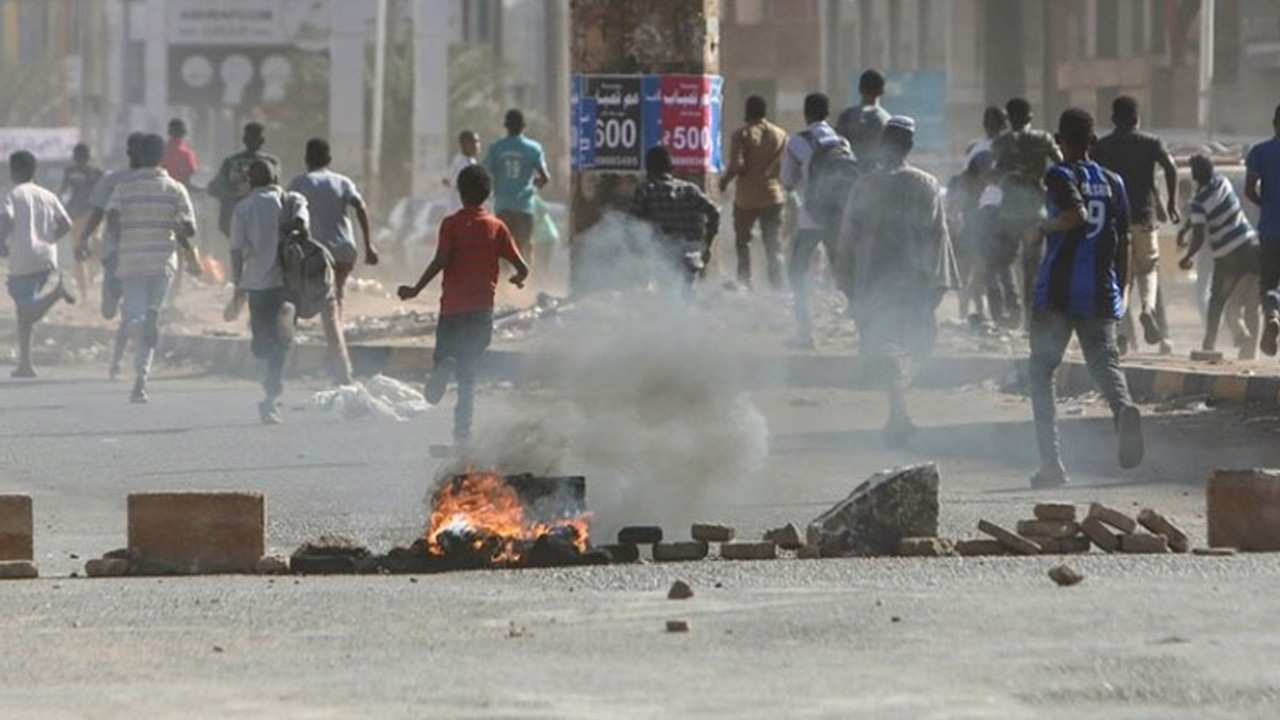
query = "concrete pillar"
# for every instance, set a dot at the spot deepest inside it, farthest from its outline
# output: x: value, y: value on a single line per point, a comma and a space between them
x: 435, y: 25
x: 346, y: 84
x: 157, y: 65
x: 636, y: 37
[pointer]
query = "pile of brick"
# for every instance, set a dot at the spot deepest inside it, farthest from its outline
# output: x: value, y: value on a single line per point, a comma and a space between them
x: 1055, y: 529
x: 704, y: 536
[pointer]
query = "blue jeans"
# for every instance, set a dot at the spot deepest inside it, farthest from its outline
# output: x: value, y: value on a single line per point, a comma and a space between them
x: 464, y: 337
x: 799, y: 267
x: 141, y: 300
x: 1050, y: 333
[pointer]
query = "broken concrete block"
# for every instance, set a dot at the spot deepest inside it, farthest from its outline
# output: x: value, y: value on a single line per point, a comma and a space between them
x: 707, y: 532
x: 1112, y: 517
x: 1206, y: 356
x: 1047, y: 528
x: 1055, y: 511
x: 272, y: 565
x: 980, y: 546
x: 749, y: 551
x: 680, y: 590
x: 873, y: 519
x: 106, y: 567
x: 640, y: 535
x: 1065, y: 575
x: 786, y: 537
x: 926, y: 547
x: 1100, y: 535
x: 198, y: 532
x: 622, y: 553
x: 679, y: 551
x: 1159, y: 524
x: 1144, y: 544
x: 329, y: 555
x: 18, y: 570
x: 808, y: 552
x: 16, y: 526
x: 1015, y: 543
x: 677, y: 626
x: 1244, y: 509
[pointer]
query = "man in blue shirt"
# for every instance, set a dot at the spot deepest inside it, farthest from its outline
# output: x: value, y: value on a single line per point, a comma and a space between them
x: 519, y: 168
x: 1079, y: 290
x: 1262, y: 187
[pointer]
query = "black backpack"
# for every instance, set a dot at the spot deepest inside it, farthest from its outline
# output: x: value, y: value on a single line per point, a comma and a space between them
x: 307, y: 265
x: 833, y: 171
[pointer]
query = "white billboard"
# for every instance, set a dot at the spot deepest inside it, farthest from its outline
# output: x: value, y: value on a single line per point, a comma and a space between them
x: 302, y: 23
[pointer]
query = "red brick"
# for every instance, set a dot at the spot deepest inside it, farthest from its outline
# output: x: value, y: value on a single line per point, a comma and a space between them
x: 1144, y: 544
x: 106, y: 567
x: 1112, y: 517
x: 679, y: 551
x: 749, y: 551
x: 1013, y: 542
x: 1244, y: 509
x: 980, y: 546
x: 1100, y: 534
x: 708, y: 532
x: 926, y: 547
x: 1159, y: 524
x: 1055, y: 511
x: 16, y: 528
x: 1047, y: 528
x: 18, y: 570
x: 198, y: 532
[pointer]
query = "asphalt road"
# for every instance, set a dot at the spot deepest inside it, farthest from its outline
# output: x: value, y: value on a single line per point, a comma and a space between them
x: 1173, y: 637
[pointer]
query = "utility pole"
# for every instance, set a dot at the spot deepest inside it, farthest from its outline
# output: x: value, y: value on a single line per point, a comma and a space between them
x: 373, y: 165
x: 634, y: 37
x: 1205, y: 115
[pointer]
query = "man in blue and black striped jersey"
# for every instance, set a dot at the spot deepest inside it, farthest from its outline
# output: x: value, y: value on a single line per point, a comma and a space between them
x: 1079, y: 290
x: 1217, y: 218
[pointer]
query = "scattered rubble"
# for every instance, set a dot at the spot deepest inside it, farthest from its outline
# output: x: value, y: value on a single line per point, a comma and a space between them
x: 926, y: 547
x: 1055, y: 512
x: 1100, y: 534
x: 106, y: 567
x: 680, y: 551
x: 1011, y: 541
x: 640, y: 535
x: 680, y: 590
x: 18, y: 570
x: 1065, y: 575
x: 707, y: 532
x: 897, y: 503
x: 272, y: 565
x: 1112, y: 517
x: 1159, y: 524
x: 978, y: 547
x: 1215, y: 551
x: 1144, y: 544
x: 330, y: 555
x: 749, y: 551
x: 677, y: 626
x: 786, y: 537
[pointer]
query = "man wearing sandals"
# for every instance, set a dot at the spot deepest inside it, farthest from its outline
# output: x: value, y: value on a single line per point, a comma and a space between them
x: 1079, y: 290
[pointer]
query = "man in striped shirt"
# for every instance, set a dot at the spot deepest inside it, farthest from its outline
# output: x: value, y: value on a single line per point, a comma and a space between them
x: 1217, y: 218
x: 150, y: 213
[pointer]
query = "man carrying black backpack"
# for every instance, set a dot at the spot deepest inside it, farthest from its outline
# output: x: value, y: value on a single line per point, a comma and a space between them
x: 819, y: 166
x: 260, y: 221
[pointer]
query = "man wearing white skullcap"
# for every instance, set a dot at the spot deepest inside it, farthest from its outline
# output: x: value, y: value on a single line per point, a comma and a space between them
x: 896, y: 255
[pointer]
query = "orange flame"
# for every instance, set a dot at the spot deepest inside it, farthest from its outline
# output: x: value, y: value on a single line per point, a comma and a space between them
x: 483, y: 508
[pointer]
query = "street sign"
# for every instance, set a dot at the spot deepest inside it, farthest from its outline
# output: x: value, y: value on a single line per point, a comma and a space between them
x: 617, y: 118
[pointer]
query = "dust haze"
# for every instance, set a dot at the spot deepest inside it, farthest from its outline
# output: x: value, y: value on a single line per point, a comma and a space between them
x: 648, y: 402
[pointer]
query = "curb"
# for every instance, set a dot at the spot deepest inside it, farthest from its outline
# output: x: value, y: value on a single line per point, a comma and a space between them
x: 231, y: 356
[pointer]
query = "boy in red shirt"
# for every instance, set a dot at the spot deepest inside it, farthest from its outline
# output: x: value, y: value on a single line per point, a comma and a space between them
x: 470, y: 245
